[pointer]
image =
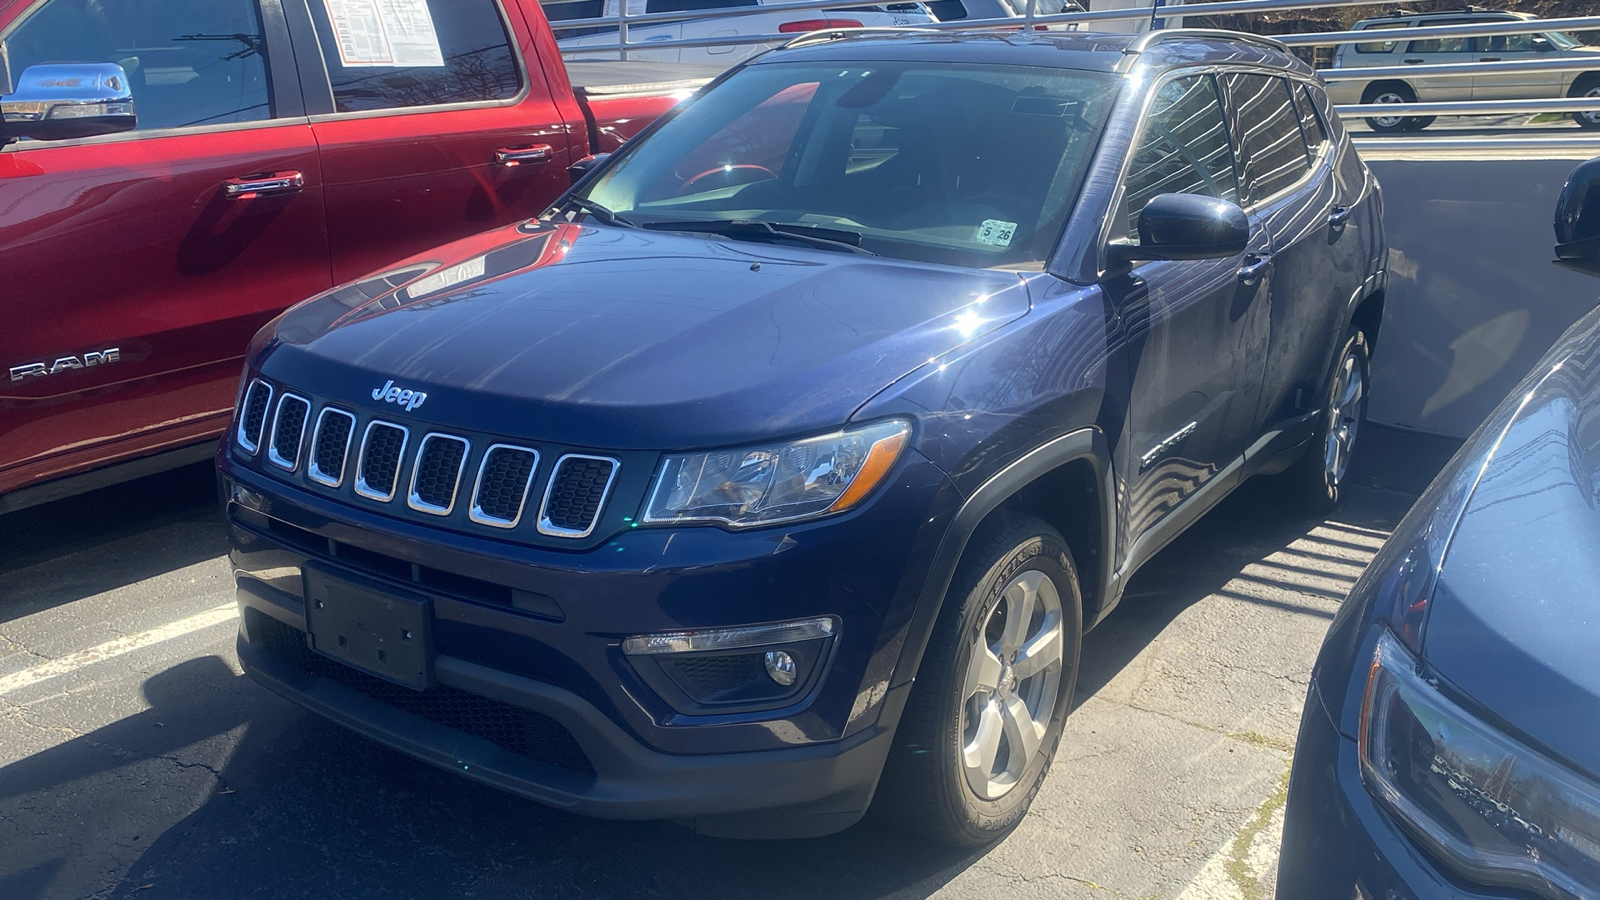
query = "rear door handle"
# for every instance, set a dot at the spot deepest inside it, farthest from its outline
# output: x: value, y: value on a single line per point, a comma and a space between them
x: 1340, y: 216
x: 511, y: 157
x: 1490, y: 59
x: 1250, y: 273
x: 1413, y: 61
x: 248, y: 186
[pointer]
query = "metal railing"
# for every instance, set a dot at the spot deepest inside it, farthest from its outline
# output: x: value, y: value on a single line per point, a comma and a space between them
x: 623, y: 22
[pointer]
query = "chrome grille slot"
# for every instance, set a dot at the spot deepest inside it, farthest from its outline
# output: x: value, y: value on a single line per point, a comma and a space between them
x: 330, y: 445
x: 576, y: 495
x: 501, y: 489
x: 436, y: 476
x: 378, y: 468
x: 288, y: 431
x: 257, y: 400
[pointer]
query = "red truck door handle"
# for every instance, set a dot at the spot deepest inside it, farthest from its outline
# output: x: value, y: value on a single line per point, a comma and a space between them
x: 511, y: 157
x: 247, y: 186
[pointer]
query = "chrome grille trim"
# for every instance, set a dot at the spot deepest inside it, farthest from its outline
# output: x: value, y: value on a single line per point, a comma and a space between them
x: 314, y: 471
x: 299, y: 439
x: 415, y: 501
x: 546, y: 527
x: 364, y: 488
x: 247, y: 443
x: 475, y: 511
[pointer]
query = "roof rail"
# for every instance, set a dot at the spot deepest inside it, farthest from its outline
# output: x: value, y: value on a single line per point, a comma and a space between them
x: 835, y: 34
x: 1151, y: 38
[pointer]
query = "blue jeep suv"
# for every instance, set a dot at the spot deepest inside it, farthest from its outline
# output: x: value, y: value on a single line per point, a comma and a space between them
x: 785, y: 461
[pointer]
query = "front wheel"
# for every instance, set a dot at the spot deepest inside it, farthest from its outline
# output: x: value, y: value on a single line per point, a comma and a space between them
x: 1320, y: 474
x: 993, y: 690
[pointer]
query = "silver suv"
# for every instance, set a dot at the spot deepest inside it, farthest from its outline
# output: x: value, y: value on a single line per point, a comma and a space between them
x: 1425, y: 88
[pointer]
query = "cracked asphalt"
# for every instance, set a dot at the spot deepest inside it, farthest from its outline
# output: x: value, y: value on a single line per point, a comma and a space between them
x: 155, y: 769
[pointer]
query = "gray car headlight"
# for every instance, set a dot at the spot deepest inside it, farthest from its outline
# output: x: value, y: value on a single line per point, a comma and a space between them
x: 1497, y: 811
x: 780, y: 482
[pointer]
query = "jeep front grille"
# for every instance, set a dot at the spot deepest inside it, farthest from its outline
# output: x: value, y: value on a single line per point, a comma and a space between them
x: 288, y: 431
x: 436, y: 476
x: 577, y: 491
x: 502, y: 486
x: 378, y: 469
x: 257, y: 401
x: 330, y: 445
x: 443, y: 475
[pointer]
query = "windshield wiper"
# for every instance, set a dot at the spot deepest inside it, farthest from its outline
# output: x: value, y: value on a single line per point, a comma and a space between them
x: 584, y: 204
x: 755, y: 229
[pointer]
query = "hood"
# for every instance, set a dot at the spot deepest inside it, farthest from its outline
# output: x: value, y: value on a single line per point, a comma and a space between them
x: 630, y: 339
x: 1514, y: 620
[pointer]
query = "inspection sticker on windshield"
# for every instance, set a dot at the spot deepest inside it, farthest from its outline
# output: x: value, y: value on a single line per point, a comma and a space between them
x: 996, y: 232
x: 384, y: 33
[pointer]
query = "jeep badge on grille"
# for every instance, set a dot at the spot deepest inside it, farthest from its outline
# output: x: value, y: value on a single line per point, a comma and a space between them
x: 399, y: 396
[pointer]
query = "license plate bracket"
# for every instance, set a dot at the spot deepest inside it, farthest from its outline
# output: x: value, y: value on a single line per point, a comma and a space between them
x: 376, y: 630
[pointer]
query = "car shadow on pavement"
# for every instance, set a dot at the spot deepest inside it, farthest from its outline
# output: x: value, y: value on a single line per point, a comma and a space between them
x: 79, y: 546
x: 220, y: 789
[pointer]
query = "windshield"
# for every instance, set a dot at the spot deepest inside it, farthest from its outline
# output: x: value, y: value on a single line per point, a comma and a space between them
x: 969, y: 165
x: 1563, y: 40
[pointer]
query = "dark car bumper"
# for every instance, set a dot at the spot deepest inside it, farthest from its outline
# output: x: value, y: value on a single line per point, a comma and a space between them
x: 547, y: 706
x: 1337, y: 843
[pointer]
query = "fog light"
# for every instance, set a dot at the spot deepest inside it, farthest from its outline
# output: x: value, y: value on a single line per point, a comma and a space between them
x: 780, y: 667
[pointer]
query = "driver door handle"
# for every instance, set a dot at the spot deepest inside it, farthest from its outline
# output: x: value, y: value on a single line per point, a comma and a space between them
x: 247, y: 186
x: 1256, y: 265
x: 1340, y: 216
x: 1490, y: 59
x: 511, y: 157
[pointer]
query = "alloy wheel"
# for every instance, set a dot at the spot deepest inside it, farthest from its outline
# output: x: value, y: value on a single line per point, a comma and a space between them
x: 1012, y: 680
x: 1593, y: 116
x: 1344, y: 418
x: 1388, y: 97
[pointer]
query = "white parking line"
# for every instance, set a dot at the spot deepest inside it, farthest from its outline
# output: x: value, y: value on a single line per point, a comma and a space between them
x: 72, y: 662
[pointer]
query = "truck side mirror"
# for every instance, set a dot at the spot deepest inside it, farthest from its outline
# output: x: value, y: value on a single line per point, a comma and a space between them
x: 1578, y: 220
x: 69, y: 100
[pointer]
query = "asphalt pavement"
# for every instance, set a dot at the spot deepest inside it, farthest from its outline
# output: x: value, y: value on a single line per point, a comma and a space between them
x: 137, y: 761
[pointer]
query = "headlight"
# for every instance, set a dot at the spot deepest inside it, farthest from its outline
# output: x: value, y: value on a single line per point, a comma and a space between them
x: 1499, y: 812
x: 777, y: 482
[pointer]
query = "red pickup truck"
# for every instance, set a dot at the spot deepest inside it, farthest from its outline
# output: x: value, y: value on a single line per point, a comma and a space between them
x: 244, y: 155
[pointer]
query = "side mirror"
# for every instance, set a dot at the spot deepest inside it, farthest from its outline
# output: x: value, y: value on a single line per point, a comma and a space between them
x: 1578, y: 220
x: 1541, y: 44
x: 580, y: 170
x: 69, y: 100
x: 1187, y: 226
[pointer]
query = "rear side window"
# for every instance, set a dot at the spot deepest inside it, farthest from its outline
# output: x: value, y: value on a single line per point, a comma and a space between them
x: 1183, y: 149
x: 188, y: 64
x: 397, y: 54
x: 1311, y: 127
x: 1445, y: 45
x: 1275, y: 151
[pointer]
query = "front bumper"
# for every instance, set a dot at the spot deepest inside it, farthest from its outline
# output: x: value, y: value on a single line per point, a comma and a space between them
x: 544, y: 704
x: 1337, y: 843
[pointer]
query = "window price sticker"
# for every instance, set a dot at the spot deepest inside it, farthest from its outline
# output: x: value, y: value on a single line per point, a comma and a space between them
x: 384, y: 33
x: 996, y: 232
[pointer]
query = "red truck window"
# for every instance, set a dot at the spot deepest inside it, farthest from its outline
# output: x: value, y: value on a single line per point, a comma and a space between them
x: 187, y: 64
x: 408, y: 53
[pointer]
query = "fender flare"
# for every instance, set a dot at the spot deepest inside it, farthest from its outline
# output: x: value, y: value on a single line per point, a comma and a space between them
x: 1087, y: 444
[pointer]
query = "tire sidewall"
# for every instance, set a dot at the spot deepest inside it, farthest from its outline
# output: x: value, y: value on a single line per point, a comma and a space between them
x: 985, y: 819
x: 1355, y: 341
